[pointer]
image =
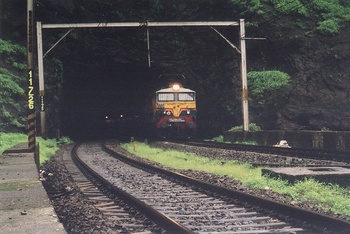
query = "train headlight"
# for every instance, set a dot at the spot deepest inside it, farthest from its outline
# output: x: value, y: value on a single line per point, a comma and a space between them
x: 188, y: 112
x: 176, y: 87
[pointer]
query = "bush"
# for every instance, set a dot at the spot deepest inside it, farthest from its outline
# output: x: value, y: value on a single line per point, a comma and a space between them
x: 47, y: 147
x: 290, y: 7
x: 218, y: 139
x: 252, y: 128
x: 329, y: 26
x: 65, y: 141
x: 260, y: 82
x: 12, y: 81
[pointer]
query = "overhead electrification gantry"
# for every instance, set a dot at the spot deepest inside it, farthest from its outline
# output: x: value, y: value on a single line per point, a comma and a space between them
x: 211, y: 24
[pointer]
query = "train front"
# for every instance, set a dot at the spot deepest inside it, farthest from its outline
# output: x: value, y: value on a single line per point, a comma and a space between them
x: 175, y: 112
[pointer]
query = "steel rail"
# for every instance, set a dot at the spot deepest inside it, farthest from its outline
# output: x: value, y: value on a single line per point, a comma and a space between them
x: 163, y: 221
x: 315, y: 220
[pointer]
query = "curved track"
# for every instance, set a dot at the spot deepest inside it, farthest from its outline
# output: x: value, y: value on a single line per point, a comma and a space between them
x: 194, y: 206
x: 120, y: 216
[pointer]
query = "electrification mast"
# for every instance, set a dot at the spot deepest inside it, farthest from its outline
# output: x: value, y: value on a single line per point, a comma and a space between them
x: 147, y: 24
x: 31, y: 124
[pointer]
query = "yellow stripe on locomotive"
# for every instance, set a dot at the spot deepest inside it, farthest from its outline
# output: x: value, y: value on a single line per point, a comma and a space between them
x: 175, y: 111
x: 176, y: 108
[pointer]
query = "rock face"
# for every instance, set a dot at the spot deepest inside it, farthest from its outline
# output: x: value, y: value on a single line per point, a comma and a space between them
x: 318, y: 96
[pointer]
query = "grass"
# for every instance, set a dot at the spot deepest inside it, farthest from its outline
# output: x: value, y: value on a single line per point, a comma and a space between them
x: 220, y: 139
x: 329, y: 197
x: 47, y: 147
x: 8, y: 140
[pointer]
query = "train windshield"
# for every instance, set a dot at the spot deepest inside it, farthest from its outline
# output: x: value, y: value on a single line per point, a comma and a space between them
x: 169, y: 97
x: 166, y: 97
x: 186, y: 96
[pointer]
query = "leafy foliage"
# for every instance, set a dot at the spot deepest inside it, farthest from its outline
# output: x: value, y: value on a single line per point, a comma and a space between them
x: 219, y: 138
x: 199, y: 53
x: 334, y: 14
x: 330, y: 15
x: 8, y: 140
x: 267, y: 93
x: 289, y: 6
x: 65, y: 141
x: 12, y: 94
x: 253, y: 6
x: 265, y: 82
x: 329, y: 27
x: 47, y: 149
x: 253, y: 127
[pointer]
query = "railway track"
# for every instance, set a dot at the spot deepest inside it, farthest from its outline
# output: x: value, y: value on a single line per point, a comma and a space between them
x: 179, y: 204
x: 120, y: 216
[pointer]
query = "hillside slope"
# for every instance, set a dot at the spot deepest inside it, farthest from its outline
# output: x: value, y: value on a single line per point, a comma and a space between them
x: 308, y: 40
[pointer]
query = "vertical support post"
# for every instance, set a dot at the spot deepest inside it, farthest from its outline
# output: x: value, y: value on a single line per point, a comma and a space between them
x: 148, y: 47
x: 244, y: 77
x: 30, y: 64
x: 41, y: 78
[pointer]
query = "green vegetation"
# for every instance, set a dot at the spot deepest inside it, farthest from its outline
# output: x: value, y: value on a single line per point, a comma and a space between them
x: 13, y: 81
x: 267, y: 92
x: 252, y: 128
x: 221, y: 140
x: 12, y: 78
x: 8, y: 140
x: 330, y: 15
x: 334, y: 14
x: 10, y: 49
x: 218, y: 139
x: 47, y: 147
x: 324, y: 196
x: 290, y: 7
x: 262, y: 83
x: 64, y: 141
x: 328, y: 26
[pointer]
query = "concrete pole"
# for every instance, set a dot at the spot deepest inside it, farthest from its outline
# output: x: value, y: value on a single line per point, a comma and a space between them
x: 31, y: 125
x: 41, y: 78
x: 148, y: 48
x: 244, y: 77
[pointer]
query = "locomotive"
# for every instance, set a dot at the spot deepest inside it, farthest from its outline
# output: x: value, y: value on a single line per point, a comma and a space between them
x: 174, y: 112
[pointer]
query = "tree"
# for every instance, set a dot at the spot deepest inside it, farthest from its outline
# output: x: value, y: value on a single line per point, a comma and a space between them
x: 12, y: 94
x: 266, y: 93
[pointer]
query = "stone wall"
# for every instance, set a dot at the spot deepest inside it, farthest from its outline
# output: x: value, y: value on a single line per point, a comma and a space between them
x: 339, y: 141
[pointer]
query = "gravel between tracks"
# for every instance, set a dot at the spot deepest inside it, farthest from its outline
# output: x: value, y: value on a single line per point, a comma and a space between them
x: 79, y: 216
